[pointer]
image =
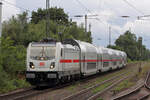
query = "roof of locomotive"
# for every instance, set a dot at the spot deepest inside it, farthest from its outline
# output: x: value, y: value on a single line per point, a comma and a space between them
x: 43, y: 44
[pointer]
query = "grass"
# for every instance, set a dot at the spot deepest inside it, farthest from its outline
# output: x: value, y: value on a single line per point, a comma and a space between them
x: 100, y: 88
x: 144, y: 70
x: 13, y: 85
x: 123, y: 85
x: 72, y: 87
x: 129, y: 61
x: 98, y: 80
x: 132, y: 81
x: 103, y: 78
x: 99, y: 99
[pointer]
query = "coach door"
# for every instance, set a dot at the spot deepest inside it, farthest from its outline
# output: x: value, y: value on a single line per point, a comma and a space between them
x: 99, y: 61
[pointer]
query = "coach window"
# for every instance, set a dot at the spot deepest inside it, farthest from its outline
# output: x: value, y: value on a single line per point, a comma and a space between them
x: 105, y: 64
x: 114, y: 63
x: 120, y: 62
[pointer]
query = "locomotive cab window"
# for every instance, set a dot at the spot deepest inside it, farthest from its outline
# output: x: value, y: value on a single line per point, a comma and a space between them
x: 42, y: 52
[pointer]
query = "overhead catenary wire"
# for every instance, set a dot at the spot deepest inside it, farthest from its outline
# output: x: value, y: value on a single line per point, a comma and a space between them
x: 98, y: 19
x: 89, y: 11
x: 21, y: 8
x: 132, y: 6
x: 84, y: 7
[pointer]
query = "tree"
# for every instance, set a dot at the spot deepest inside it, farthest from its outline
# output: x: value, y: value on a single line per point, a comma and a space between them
x: 18, y: 32
x: 128, y: 42
x: 22, y: 31
x: 114, y: 47
x: 16, y: 28
x: 3, y: 75
x: 56, y: 14
x: 12, y: 57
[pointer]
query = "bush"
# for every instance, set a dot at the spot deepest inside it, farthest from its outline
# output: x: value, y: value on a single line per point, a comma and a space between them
x: 13, y: 84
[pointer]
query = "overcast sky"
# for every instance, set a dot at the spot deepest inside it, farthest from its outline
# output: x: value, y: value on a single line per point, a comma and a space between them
x: 108, y: 11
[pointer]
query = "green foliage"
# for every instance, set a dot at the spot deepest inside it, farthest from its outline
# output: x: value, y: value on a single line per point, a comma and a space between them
x: 22, y: 31
x: 56, y: 14
x: 128, y: 42
x: 16, y: 29
x: 18, y: 32
x: 11, y: 61
x: 123, y: 85
x: 101, y: 87
x: 3, y: 77
x: 13, y: 84
x: 13, y: 57
x: 99, y: 98
x: 114, y: 47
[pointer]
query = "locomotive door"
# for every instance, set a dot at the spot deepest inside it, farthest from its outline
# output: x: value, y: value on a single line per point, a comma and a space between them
x: 82, y: 63
x: 62, y: 57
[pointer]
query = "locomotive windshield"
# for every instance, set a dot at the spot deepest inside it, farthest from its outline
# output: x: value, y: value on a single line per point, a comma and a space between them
x: 42, y: 52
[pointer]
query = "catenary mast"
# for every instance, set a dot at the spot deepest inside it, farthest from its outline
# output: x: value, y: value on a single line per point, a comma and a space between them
x: 47, y: 19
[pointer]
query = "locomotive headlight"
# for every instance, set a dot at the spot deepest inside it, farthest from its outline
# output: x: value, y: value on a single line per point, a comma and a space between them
x: 31, y: 65
x: 52, y: 65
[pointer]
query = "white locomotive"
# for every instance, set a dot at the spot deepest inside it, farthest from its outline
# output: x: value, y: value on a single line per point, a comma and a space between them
x: 52, y: 62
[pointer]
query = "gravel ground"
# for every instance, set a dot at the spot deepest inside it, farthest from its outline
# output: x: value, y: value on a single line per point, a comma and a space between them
x: 64, y: 92
x: 109, y: 94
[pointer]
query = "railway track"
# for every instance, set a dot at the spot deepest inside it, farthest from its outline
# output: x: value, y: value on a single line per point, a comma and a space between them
x: 86, y: 93
x: 141, y: 92
x: 30, y: 92
x: 22, y: 95
x: 14, y: 94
